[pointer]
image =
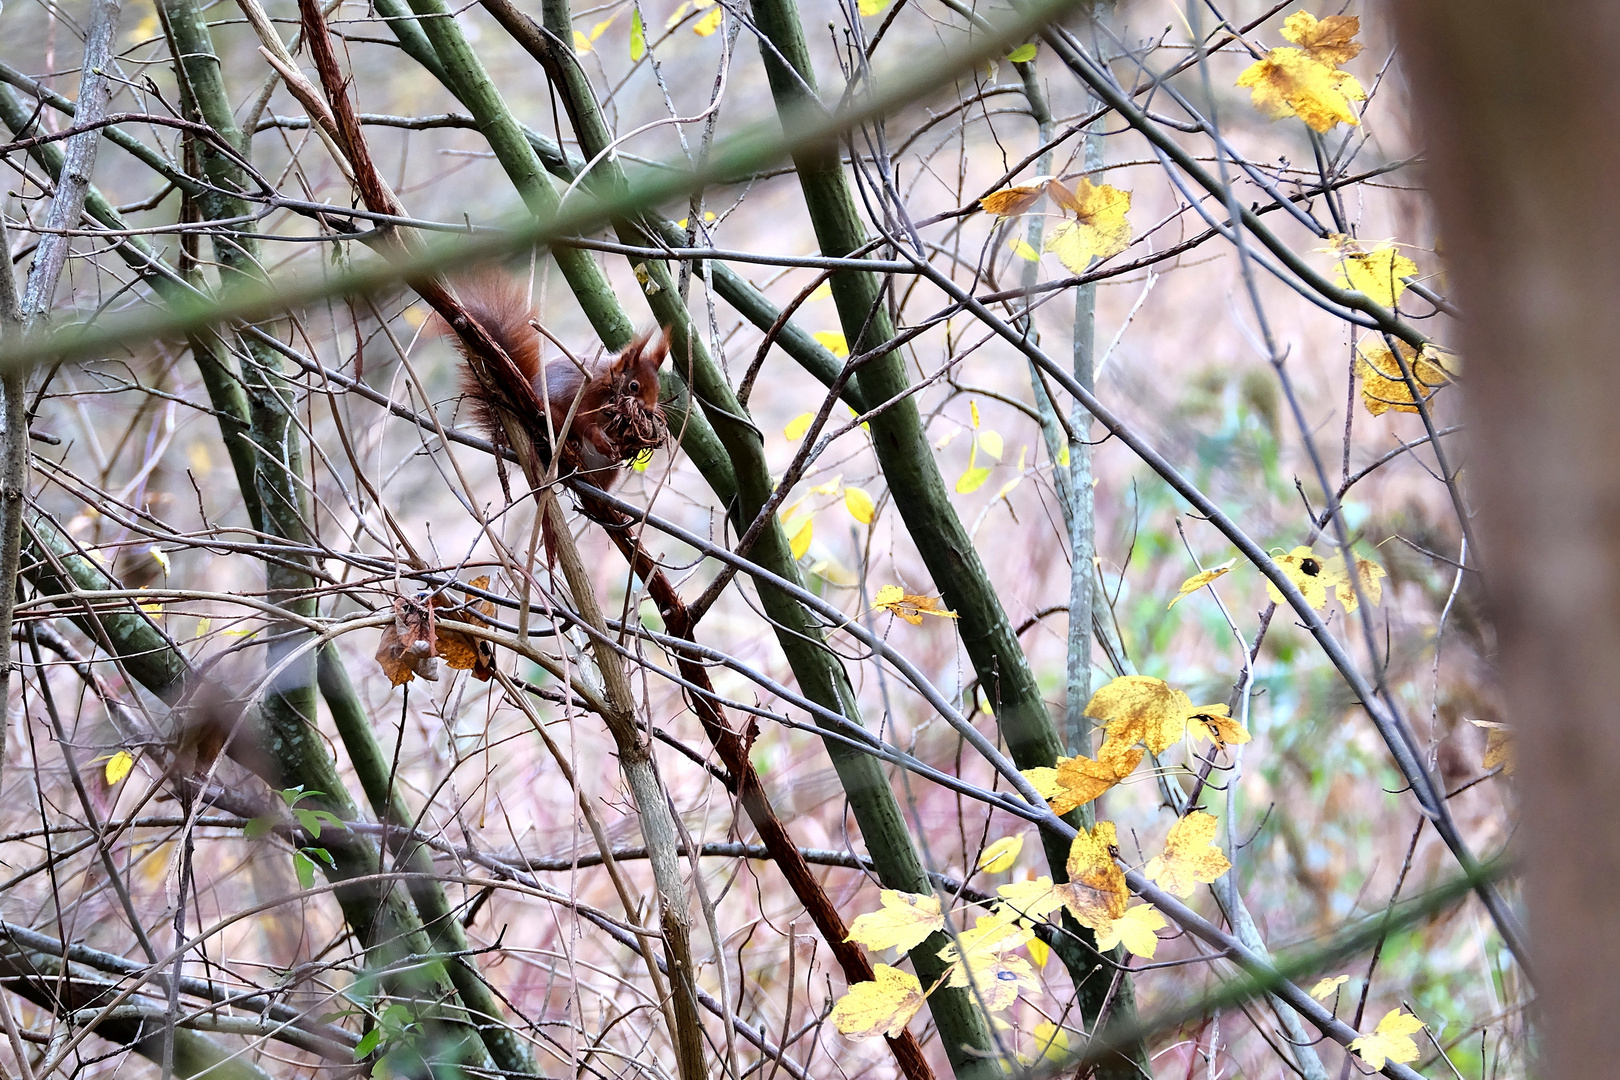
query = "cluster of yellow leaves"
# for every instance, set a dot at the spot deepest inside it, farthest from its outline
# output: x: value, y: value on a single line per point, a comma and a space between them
x: 1390, y: 1041
x: 1307, y: 81
x: 1315, y: 578
x: 1138, y: 713
x: 1136, y: 710
x: 986, y: 955
x: 704, y: 26
x: 798, y: 521
x: 1098, y: 229
x: 896, y: 601
x: 990, y: 442
x: 1383, y: 385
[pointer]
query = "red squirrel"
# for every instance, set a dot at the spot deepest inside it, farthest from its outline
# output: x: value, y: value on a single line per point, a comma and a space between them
x: 617, y: 414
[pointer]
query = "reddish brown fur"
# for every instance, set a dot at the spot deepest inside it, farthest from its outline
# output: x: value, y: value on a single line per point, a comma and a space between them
x: 617, y: 414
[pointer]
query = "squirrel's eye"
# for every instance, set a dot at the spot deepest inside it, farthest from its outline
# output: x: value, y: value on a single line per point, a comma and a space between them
x: 635, y: 386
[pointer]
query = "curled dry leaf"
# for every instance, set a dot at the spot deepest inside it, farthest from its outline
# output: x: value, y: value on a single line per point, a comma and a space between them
x: 1499, y: 749
x: 460, y: 650
x: 1215, y: 723
x: 912, y: 608
x: 409, y: 644
x: 1014, y: 200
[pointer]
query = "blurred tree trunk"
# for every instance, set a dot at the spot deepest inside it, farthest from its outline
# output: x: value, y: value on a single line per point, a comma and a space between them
x: 1518, y: 105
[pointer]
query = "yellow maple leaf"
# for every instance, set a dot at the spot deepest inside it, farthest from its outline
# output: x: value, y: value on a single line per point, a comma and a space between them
x: 1189, y: 856
x: 1310, y: 574
x: 1368, y: 575
x: 1078, y: 780
x: 1199, y: 580
x: 1383, y: 386
x: 1134, y: 930
x: 1099, y: 229
x: 797, y: 426
x: 1095, y: 894
x: 912, y: 608
x: 1327, y: 40
x: 1377, y: 274
x: 1327, y: 986
x: 1292, y: 82
x: 984, y: 958
x: 883, y: 1006
x: 119, y: 766
x: 1499, y: 748
x: 1001, y: 854
x: 902, y: 923
x: 1390, y: 1041
x: 859, y: 504
x: 1141, y: 709
x: 1031, y: 899
x: 1215, y: 723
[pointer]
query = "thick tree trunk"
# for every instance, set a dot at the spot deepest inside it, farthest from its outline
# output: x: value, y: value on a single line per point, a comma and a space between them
x: 1518, y: 105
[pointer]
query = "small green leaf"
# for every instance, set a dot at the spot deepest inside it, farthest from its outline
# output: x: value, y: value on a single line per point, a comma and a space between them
x: 638, y: 36
x: 304, y: 867
x: 1023, y: 54
x: 259, y: 826
x: 310, y: 820
x: 323, y: 855
x: 368, y: 1042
